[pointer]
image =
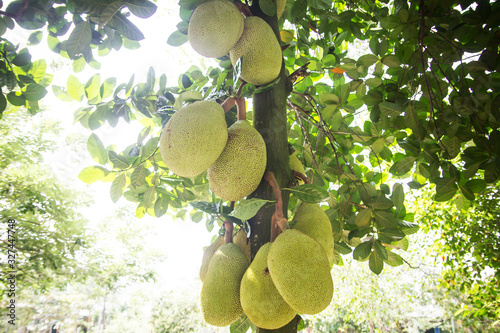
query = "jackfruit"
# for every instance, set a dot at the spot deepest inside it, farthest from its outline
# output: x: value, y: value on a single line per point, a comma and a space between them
x: 260, y: 299
x: 208, y: 253
x: 240, y: 167
x: 243, y: 243
x: 260, y: 52
x: 220, y: 293
x: 313, y: 221
x: 300, y: 271
x: 193, y: 138
x: 214, y: 28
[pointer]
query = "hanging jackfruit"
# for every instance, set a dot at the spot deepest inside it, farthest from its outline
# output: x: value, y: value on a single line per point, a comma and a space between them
x: 260, y: 299
x: 220, y: 293
x: 193, y: 138
x: 260, y: 52
x: 300, y: 271
x: 240, y: 167
x: 208, y: 253
x: 214, y: 28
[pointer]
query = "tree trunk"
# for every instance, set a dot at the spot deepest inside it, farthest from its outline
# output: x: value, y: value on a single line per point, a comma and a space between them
x: 270, y: 120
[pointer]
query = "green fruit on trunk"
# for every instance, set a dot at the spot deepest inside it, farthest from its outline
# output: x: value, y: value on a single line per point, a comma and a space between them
x: 193, y: 138
x: 240, y: 167
x: 243, y: 243
x: 295, y: 163
x: 220, y: 293
x: 208, y: 253
x: 313, y: 221
x: 260, y: 52
x: 260, y: 299
x: 214, y: 28
x: 300, y: 271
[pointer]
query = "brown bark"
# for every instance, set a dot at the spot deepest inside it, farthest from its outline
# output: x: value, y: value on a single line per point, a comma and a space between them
x: 269, y: 119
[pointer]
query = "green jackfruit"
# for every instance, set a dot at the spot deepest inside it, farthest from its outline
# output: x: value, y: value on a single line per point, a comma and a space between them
x: 220, y: 293
x: 300, y: 271
x: 313, y: 221
x: 240, y: 167
x: 243, y: 243
x: 208, y: 253
x: 193, y: 138
x: 260, y: 299
x: 260, y: 52
x: 214, y: 28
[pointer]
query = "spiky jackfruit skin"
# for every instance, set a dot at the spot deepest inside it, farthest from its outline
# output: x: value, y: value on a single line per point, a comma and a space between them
x: 241, y: 165
x: 243, y: 243
x: 260, y: 52
x: 300, y: 271
x: 193, y: 138
x: 313, y: 221
x: 208, y: 253
x: 220, y: 293
x: 260, y: 299
x: 214, y: 28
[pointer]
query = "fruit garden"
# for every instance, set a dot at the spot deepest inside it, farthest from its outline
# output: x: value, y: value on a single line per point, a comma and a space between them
x: 321, y: 122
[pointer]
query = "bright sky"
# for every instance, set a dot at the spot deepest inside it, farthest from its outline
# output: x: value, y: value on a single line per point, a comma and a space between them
x: 181, y: 241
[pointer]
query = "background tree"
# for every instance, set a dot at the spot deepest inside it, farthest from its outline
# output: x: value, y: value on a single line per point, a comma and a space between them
x: 419, y: 106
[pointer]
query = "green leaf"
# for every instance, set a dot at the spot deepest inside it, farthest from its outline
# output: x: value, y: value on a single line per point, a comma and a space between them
x: 268, y: 7
x: 34, y: 92
x: 363, y: 218
x: 22, y: 59
x: 119, y: 161
x: 246, y: 209
x: 79, y: 39
x: 398, y: 195
x: 362, y: 251
x: 342, y: 248
x: 380, y: 249
x: 376, y: 263
x: 393, y: 259
x: 241, y: 325
x: 141, y: 8
x: 373, y: 82
x: 476, y: 185
x: 97, y: 150
x: 367, y: 60
x: 75, y: 89
x: 138, y: 176
x: 35, y: 38
x: 93, y: 88
x: 126, y: 28
x: 391, y: 61
x: 92, y: 174
x: 177, y: 38
x: 149, y: 197
x: 403, y: 166
x: 309, y: 193
x: 16, y: 98
x: 446, y: 188
x: 452, y: 146
x: 382, y: 203
x: 385, y: 219
x: 117, y: 187
x: 161, y: 206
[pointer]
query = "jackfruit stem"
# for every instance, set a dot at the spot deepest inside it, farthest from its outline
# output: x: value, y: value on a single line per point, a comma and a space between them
x: 300, y: 175
x: 228, y: 237
x: 228, y: 104
x: 242, y: 108
x: 240, y: 88
x: 278, y: 221
x: 243, y: 8
x: 228, y: 225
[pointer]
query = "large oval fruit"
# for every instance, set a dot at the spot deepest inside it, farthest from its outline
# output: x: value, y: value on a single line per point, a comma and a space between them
x: 300, y: 271
x: 260, y: 52
x: 193, y: 138
x: 241, y: 165
x: 220, y: 293
x: 260, y: 299
x: 214, y: 28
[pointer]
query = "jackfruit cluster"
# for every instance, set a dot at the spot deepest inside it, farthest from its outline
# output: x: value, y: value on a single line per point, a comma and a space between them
x: 217, y: 28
